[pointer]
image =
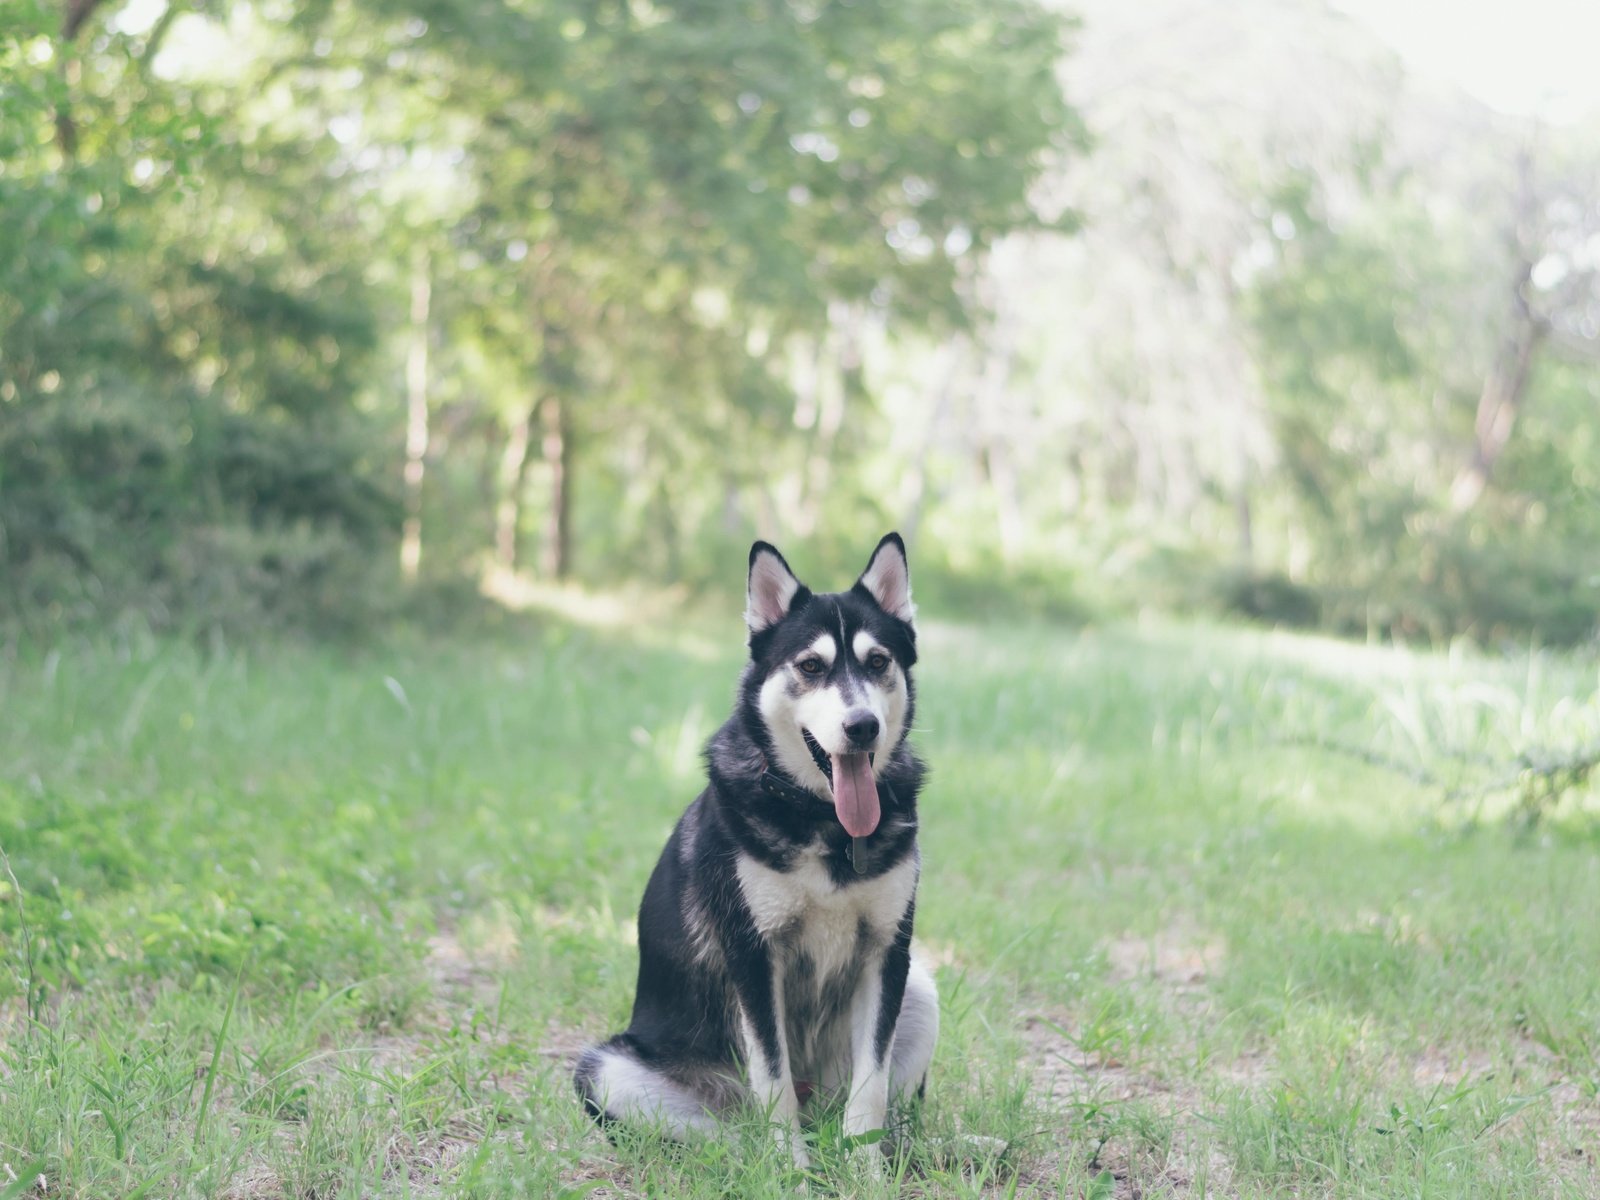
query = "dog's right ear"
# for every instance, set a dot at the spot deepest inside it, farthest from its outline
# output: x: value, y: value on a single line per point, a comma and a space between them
x: 771, y: 589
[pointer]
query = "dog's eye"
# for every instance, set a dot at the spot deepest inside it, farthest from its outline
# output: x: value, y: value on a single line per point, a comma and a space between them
x: 877, y: 661
x: 811, y: 666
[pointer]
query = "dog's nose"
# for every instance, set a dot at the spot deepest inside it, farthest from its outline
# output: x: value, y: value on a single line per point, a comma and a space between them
x: 861, y: 727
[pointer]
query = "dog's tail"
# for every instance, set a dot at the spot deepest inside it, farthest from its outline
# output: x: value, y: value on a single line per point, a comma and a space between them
x: 586, y: 1077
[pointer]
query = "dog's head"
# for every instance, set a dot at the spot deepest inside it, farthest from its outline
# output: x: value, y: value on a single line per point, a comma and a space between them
x: 831, y: 675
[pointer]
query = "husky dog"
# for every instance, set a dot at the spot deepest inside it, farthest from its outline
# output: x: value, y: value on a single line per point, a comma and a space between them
x: 775, y: 933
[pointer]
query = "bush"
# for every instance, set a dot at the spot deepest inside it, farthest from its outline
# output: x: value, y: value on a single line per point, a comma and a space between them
x: 1433, y: 588
x: 1449, y: 585
x: 248, y: 523
x: 1270, y: 596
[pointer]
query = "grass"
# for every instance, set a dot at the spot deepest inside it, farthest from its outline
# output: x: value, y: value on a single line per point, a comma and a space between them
x: 309, y: 923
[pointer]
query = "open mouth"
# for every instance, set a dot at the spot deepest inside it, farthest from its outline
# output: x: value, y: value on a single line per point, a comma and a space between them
x: 824, y: 764
x: 855, y: 792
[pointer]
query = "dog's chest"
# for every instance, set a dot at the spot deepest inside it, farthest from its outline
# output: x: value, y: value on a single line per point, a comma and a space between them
x: 818, y: 927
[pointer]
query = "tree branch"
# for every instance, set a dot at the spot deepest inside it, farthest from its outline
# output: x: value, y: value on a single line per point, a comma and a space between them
x: 1541, y: 776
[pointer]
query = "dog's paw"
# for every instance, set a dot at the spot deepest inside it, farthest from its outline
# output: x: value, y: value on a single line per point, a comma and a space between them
x: 793, y: 1143
x: 866, y: 1164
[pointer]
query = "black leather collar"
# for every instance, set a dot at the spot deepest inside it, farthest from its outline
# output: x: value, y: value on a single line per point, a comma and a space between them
x: 785, y: 788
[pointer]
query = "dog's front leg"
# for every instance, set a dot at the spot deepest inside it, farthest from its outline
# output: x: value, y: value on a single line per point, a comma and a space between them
x: 758, y: 984
x: 874, y: 1011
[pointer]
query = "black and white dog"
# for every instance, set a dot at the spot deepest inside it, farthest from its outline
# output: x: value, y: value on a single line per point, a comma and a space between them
x: 775, y: 932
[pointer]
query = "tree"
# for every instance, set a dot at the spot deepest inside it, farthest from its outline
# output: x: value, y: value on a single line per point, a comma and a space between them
x: 178, y: 365
x: 1554, y: 282
x: 732, y: 169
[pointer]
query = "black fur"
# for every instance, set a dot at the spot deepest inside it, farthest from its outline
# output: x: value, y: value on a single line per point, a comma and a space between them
x: 685, y: 1023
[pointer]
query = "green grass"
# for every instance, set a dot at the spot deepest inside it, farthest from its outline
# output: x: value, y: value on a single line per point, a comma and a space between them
x: 307, y: 923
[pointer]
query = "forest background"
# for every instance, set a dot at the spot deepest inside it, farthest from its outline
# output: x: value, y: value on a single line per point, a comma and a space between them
x: 1206, y: 307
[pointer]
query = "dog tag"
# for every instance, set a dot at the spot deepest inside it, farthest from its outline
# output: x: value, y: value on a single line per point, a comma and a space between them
x: 858, y: 855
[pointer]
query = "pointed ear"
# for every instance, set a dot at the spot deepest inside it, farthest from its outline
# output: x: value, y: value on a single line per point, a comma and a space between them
x: 770, y: 590
x: 887, y: 579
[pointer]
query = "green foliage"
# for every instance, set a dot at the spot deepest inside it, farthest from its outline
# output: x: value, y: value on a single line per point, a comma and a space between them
x: 180, y: 434
x: 631, y: 212
x: 229, y: 527
x: 658, y: 278
x: 1355, y: 328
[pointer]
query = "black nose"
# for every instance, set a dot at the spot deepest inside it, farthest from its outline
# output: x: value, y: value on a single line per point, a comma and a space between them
x: 861, y: 727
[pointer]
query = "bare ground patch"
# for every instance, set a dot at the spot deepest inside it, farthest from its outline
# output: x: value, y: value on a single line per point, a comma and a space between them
x: 1141, y: 1127
x: 1179, y: 957
x: 1146, y: 1126
x: 459, y: 980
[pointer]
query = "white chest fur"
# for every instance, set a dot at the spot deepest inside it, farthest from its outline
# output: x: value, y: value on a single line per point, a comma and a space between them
x: 804, y: 913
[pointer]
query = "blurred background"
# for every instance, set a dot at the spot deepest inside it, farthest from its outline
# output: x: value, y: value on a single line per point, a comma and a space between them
x: 319, y: 316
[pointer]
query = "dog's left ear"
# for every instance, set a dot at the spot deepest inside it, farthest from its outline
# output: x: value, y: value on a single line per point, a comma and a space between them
x: 887, y: 579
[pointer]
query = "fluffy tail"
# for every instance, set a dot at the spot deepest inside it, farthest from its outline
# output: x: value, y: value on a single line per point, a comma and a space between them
x: 586, y: 1078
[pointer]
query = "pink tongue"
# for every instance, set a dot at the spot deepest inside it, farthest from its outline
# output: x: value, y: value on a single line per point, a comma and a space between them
x: 855, y: 793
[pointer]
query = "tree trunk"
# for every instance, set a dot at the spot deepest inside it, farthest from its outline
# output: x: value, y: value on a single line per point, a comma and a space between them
x: 1241, y: 508
x: 1507, y: 383
x: 75, y: 15
x: 1010, y: 523
x: 999, y: 425
x: 820, y: 403
x: 556, y: 450
x: 1498, y: 406
x: 66, y: 126
x: 416, y: 418
x: 513, y: 470
x: 914, y: 488
x: 1241, y: 515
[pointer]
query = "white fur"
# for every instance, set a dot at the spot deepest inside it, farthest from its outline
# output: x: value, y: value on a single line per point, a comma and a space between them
x: 629, y: 1090
x: 825, y: 917
x: 888, y: 578
x: 892, y: 716
x: 825, y: 648
x: 911, y: 1051
x: 876, y: 1084
x: 806, y: 914
x: 915, y: 1033
x: 784, y: 718
x: 823, y: 712
x: 869, y: 1078
x: 864, y: 644
x: 772, y: 1083
x: 702, y: 934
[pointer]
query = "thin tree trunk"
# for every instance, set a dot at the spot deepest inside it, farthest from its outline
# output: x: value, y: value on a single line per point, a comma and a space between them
x: 819, y: 461
x: 1507, y: 383
x: 1241, y: 508
x: 820, y: 403
x: 75, y: 15
x: 914, y: 490
x: 998, y: 427
x: 1010, y: 523
x: 66, y: 126
x: 1498, y: 406
x: 1241, y: 513
x: 513, y: 470
x: 556, y: 451
x: 416, y: 418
